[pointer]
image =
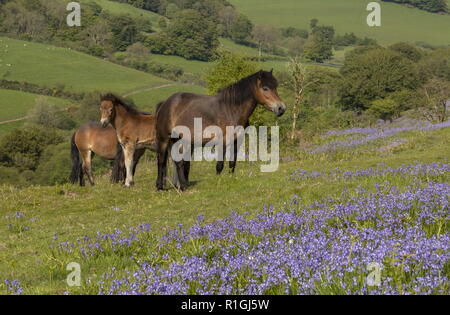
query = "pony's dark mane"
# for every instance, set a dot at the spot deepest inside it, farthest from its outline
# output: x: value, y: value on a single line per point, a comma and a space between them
x: 239, y: 92
x: 118, y: 101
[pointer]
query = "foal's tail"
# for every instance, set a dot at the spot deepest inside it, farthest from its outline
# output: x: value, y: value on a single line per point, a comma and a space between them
x: 118, y: 172
x: 76, y: 164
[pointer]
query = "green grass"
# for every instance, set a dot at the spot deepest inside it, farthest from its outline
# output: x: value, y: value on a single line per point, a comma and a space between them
x: 16, y: 104
x: 189, y: 66
x: 147, y: 100
x: 5, y: 128
x: 52, y: 66
x: 398, y: 23
x: 123, y: 8
x: 72, y: 212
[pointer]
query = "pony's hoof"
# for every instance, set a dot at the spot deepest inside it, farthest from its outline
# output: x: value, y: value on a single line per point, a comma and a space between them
x: 183, y: 188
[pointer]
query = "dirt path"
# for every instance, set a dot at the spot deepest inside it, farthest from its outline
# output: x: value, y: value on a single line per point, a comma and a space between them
x: 125, y: 95
x: 13, y: 120
x: 148, y: 89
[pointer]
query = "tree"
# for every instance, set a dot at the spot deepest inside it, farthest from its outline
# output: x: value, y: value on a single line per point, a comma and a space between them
x: 124, y: 31
x: 434, y: 6
x: 22, y: 147
x: 266, y: 36
x: 436, y: 94
x: 386, y: 109
x: 99, y: 34
x: 294, y: 32
x: 50, y: 116
x: 372, y: 74
x: 319, y: 46
x: 227, y: 69
x: 172, y: 10
x: 227, y: 18
x: 137, y: 53
x: 190, y: 36
x: 241, y: 29
x: 22, y: 20
x: 152, y: 5
x: 435, y: 64
x: 407, y: 50
x: 300, y: 79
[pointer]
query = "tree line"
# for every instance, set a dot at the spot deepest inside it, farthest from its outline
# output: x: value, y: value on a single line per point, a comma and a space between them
x: 434, y: 6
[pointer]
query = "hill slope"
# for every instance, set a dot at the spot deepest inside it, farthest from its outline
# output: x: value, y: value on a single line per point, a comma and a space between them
x: 398, y: 23
x: 66, y: 213
x: 51, y: 66
x: 16, y: 104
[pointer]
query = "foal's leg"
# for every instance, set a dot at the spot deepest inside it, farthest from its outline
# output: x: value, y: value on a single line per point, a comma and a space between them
x: 129, y: 155
x: 137, y: 156
x: 87, y: 165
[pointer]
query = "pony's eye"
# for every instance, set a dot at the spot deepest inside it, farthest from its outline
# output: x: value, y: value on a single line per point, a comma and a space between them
x: 265, y: 89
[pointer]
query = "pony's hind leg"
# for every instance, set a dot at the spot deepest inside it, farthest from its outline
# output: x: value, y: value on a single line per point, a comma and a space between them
x: 180, y: 168
x: 87, y: 166
x: 162, y: 152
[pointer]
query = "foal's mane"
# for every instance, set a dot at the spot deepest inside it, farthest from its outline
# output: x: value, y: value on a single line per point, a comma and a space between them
x: 119, y: 101
x: 239, y: 92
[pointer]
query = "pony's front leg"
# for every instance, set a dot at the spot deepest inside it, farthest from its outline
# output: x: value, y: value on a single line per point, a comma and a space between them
x: 129, y: 164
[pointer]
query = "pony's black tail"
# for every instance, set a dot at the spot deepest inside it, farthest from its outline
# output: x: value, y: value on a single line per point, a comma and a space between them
x: 118, y: 172
x: 76, y: 164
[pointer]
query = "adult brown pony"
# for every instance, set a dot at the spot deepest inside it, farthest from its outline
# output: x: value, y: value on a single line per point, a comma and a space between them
x: 90, y: 139
x: 231, y: 107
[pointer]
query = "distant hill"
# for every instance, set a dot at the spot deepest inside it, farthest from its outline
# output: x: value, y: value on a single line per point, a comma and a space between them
x: 16, y: 104
x: 51, y: 66
x: 118, y: 8
x: 399, y: 23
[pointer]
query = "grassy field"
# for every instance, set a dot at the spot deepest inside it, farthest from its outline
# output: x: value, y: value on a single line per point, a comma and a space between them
x: 52, y: 66
x: 398, y: 23
x: 67, y: 213
x: 123, y: 8
x: 16, y: 104
x: 147, y: 100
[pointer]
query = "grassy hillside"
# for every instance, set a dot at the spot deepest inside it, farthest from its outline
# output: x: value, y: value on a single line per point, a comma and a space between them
x: 51, y: 66
x: 16, y: 104
x: 399, y: 23
x: 51, y: 215
x: 147, y: 100
x: 123, y: 8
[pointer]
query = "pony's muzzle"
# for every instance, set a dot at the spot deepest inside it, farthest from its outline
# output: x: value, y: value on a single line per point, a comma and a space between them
x: 280, y: 109
x: 104, y: 122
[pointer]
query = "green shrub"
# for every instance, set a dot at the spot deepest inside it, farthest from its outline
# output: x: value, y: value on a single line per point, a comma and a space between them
x: 50, y: 116
x: 55, y: 165
x: 386, y: 109
x: 23, y: 147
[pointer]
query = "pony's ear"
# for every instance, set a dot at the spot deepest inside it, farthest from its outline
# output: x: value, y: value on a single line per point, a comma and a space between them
x: 260, y: 74
x: 271, y: 71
